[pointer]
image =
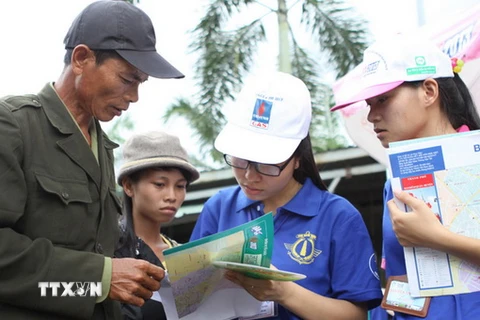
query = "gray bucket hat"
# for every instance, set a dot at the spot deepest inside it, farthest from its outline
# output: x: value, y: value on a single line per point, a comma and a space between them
x: 154, y: 149
x: 120, y: 26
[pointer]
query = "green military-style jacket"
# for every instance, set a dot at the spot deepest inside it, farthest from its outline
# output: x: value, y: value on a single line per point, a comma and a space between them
x: 58, y: 209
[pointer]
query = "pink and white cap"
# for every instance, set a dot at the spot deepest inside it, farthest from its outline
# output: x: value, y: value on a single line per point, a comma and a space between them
x: 388, y: 63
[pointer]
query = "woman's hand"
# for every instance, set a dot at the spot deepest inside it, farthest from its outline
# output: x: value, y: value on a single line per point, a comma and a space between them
x: 262, y: 290
x: 419, y: 228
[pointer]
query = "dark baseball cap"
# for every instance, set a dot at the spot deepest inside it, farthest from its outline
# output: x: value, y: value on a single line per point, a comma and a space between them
x: 120, y: 26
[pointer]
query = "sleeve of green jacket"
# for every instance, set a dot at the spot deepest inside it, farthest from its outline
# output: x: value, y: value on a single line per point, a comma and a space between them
x: 25, y: 262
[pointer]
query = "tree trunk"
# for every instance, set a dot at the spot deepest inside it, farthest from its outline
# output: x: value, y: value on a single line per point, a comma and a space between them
x: 284, y: 60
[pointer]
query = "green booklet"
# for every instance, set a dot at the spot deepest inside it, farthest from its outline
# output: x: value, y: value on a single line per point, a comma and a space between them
x: 195, y: 269
x: 250, y: 243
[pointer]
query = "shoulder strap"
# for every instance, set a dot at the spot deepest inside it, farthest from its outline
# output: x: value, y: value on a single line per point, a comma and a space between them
x: 17, y: 102
x: 169, y: 241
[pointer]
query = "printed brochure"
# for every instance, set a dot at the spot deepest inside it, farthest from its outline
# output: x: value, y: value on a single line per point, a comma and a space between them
x: 444, y: 172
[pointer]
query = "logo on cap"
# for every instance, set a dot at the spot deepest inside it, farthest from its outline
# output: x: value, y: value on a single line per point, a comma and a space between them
x: 371, y: 68
x: 421, y: 67
x: 261, y: 114
x: 420, y: 60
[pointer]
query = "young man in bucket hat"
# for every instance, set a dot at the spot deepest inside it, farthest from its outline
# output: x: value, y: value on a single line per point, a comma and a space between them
x: 155, y: 175
x: 58, y: 208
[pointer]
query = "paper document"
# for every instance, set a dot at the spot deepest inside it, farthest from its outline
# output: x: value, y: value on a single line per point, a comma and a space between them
x: 444, y: 172
x: 196, y: 282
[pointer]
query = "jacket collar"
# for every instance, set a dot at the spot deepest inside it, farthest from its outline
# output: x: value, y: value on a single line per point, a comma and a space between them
x: 74, y: 143
x: 56, y: 110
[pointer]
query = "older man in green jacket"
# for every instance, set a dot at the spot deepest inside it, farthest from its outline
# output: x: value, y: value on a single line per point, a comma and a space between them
x: 58, y: 208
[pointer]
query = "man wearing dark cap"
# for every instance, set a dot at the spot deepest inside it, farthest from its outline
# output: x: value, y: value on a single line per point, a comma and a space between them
x: 58, y: 207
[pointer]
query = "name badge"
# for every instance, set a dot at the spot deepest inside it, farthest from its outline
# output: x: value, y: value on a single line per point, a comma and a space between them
x: 397, y: 298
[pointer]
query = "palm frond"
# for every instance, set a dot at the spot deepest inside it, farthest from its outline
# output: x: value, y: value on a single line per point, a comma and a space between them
x: 204, y: 126
x: 325, y: 125
x: 337, y: 30
x: 223, y: 61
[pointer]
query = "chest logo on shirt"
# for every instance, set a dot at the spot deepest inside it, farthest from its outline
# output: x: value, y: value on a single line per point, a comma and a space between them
x: 303, y: 250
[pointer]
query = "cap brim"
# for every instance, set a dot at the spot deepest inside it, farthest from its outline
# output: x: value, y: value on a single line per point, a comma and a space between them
x: 368, y: 93
x: 151, y: 63
x: 254, y: 146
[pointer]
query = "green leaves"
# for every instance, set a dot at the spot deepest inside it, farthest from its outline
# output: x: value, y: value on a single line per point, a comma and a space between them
x: 223, y: 61
x: 123, y: 123
x: 205, y: 124
x: 334, y: 27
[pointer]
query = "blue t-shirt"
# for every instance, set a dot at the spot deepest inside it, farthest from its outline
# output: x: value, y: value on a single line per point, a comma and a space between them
x: 454, y: 307
x: 317, y: 233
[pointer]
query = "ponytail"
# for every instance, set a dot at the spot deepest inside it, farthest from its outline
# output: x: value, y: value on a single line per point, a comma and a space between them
x: 457, y: 103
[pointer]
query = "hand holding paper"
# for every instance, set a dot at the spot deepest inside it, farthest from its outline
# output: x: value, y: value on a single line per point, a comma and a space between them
x: 261, y: 289
x: 442, y: 174
x: 420, y: 227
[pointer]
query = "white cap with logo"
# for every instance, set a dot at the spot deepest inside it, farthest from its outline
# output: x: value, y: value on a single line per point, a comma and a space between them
x: 268, y: 120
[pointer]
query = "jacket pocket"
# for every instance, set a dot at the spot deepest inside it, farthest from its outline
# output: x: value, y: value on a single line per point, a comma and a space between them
x: 66, y: 190
x: 63, y: 211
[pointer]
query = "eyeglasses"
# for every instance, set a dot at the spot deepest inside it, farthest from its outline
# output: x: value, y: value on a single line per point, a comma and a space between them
x: 271, y: 170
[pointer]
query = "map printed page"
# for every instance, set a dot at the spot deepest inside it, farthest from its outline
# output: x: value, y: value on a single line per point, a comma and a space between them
x: 198, y: 287
x: 445, y: 173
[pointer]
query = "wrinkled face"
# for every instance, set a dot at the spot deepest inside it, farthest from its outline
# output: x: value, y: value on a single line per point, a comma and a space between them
x: 260, y: 187
x: 106, y: 90
x: 157, y: 195
x: 398, y: 114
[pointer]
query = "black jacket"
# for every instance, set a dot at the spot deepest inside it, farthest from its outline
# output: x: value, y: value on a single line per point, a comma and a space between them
x: 152, y: 309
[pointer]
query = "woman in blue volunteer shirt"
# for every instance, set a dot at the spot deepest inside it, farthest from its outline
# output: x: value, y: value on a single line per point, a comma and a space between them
x: 317, y: 233
x: 407, y: 102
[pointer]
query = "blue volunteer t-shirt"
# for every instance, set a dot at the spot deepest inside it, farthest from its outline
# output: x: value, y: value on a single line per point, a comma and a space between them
x: 317, y: 233
x: 454, y: 307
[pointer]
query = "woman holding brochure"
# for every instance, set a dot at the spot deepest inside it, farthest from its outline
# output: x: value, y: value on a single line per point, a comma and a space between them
x: 154, y: 176
x: 414, y: 91
x: 318, y: 234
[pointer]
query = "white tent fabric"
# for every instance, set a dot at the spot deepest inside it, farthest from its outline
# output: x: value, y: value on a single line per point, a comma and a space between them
x: 459, y: 38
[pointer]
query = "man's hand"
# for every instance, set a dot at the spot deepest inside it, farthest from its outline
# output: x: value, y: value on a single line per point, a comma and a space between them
x: 134, y: 280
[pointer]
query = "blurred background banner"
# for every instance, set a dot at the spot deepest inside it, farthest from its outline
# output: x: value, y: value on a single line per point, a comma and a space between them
x: 458, y: 37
